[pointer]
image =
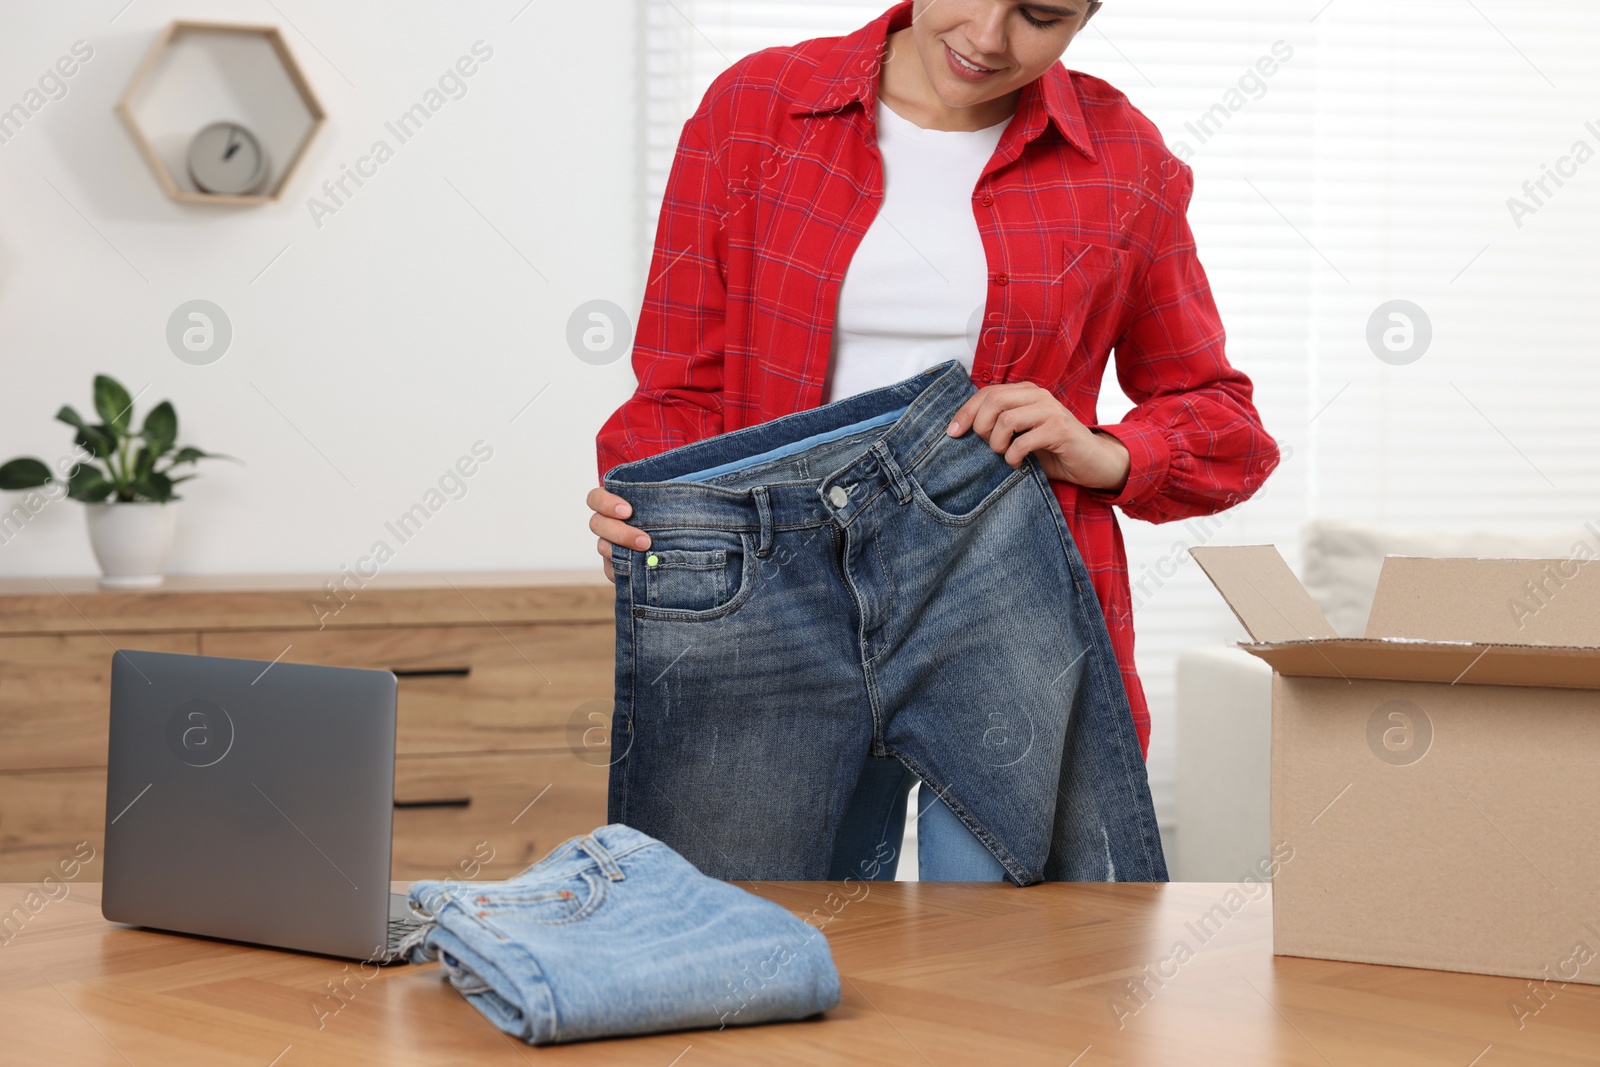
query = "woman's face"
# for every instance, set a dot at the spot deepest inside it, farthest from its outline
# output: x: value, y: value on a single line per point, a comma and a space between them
x: 975, y: 51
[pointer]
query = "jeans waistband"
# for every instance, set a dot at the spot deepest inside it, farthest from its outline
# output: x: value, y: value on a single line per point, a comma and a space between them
x: 922, y: 407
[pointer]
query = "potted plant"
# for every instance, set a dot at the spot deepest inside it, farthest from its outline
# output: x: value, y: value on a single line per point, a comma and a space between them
x: 129, y: 487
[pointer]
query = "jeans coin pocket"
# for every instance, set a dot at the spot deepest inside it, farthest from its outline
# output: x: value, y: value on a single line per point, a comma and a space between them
x: 692, y: 573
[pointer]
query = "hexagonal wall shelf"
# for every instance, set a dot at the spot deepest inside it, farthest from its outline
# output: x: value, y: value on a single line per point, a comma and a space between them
x: 201, y: 73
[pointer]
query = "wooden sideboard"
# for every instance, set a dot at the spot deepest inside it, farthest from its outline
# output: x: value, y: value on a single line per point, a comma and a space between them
x: 505, y: 686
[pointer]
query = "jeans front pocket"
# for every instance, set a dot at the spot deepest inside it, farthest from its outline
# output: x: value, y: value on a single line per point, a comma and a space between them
x: 549, y: 902
x: 692, y: 574
x: 957, y: 479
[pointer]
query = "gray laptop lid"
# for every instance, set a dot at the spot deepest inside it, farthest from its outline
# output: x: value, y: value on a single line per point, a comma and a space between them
x: 251, y: 801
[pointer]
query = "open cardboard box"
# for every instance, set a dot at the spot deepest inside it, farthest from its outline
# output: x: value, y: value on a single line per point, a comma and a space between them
x: 1438, y: 780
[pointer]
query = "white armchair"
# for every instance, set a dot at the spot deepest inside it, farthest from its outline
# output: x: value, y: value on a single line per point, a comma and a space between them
x: 1224, y: 696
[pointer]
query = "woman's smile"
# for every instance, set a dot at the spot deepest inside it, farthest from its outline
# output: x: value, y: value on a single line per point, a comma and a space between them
x: 965, y: 68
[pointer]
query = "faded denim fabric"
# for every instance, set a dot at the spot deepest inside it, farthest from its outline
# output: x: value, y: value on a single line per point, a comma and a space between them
x: 614, y: 933
x: 850, y: 581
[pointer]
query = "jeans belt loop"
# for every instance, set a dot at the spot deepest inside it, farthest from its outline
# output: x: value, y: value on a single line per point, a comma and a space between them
x: 902, y: 485
x: 598, y: 853
x: 764, y: 509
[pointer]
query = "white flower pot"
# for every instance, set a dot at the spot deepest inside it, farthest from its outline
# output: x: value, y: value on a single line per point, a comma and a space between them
x: 131, y: 541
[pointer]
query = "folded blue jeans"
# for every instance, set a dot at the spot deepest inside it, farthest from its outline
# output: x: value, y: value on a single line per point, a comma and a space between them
x: 851, y: 582
x: 613, y: 933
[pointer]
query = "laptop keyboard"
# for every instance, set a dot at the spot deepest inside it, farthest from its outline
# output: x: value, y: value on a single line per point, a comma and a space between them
x: 399, y: 928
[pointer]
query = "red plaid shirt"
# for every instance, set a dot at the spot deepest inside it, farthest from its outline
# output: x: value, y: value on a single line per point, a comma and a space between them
x: 1082, y: 214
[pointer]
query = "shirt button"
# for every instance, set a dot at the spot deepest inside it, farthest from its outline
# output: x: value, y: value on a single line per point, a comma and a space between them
x: 838, y: 496
x: 1001, y: 279
x: 987, y: 200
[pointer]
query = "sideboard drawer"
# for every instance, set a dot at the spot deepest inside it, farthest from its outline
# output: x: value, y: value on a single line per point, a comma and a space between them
x: 45, y: 815
x: 462, y: 688
x: 488, y: 817
x: 490, y: 663
x: 55, y: 692
x: 449, y: 811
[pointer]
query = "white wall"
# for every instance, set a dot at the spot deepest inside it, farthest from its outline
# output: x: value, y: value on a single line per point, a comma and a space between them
x: 391, y: 337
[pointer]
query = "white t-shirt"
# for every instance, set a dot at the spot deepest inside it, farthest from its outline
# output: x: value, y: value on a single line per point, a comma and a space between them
x: 915, y: 291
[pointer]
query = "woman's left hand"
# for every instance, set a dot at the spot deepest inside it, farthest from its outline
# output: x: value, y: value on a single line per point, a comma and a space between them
x: 1018, y: 418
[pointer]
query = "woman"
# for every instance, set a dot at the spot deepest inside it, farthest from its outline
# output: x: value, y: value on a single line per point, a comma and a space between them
x: 846, y: 212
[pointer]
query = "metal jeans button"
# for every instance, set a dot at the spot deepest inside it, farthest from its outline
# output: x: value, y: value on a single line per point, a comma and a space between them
x: 838, y: 496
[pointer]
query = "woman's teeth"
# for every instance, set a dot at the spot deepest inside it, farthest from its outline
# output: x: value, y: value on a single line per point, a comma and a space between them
x: 971, y: 66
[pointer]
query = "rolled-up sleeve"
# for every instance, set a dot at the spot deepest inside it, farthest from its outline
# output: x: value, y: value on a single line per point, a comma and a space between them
x: 1196, y: 444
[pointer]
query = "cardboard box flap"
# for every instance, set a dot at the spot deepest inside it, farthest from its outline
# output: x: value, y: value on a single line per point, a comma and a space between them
x: 1452, y: 663
x: 1512, y: 601
x: 1263, y: 592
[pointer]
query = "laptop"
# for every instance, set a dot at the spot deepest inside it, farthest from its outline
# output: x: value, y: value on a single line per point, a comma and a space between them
x: 253, y: 801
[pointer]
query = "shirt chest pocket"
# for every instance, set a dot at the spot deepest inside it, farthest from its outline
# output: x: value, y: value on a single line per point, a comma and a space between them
x: 1045, y: 314
x: 1087, y: 290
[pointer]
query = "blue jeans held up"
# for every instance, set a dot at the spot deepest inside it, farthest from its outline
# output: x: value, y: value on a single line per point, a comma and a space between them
x: 613, y: 933
x: 850, y: 582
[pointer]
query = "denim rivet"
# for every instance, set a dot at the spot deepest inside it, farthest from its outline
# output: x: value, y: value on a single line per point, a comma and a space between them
x: 651, y: 560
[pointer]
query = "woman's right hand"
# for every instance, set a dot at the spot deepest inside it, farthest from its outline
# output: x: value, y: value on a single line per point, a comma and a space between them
x: 607, y: 521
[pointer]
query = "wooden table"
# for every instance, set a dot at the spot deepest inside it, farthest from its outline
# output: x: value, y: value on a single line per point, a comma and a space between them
x: 934, y: 975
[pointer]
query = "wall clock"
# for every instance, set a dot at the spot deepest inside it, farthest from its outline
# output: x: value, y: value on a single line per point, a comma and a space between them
x: 226, y: 159
x: 221, y: 112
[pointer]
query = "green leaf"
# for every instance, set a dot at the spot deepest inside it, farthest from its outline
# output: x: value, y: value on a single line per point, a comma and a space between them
x: 112, y: 401
x: 88, y: 484
x: 69, y: 415
x: 153, y: 486
x: 144, y: 462
x: 161, y: 428
x: 188, y: 454
x: 97, y: 441
x: 24, y: 473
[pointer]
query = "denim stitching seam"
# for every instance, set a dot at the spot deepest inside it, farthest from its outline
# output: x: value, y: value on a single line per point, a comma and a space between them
x: 873, y: 705
x: 633, y: 701
x: 872, y: 690
x: 888, y: 618
x: 985, y: 838
x: 1119, y: 737
x: 599, y: 888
